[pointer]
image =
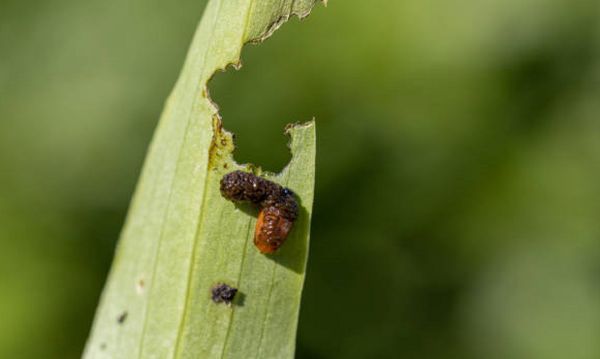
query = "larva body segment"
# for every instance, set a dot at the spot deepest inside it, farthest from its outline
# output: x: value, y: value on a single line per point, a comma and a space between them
x: 241, y: 186
x: 272, y: 229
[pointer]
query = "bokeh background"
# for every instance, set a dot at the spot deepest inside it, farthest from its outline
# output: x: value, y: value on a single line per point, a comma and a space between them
x: 457, y: 210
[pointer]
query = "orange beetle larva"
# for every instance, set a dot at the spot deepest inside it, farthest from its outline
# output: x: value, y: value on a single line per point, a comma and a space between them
x: 278, y: 207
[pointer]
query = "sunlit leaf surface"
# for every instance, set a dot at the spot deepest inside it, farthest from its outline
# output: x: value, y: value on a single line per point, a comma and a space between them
x: 181, y: 237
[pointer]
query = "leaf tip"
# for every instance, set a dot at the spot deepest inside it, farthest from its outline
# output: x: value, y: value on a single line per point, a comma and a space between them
x: 292, y: 128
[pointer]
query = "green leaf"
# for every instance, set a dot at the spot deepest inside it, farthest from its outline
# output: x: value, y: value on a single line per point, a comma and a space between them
x: 181, y: 236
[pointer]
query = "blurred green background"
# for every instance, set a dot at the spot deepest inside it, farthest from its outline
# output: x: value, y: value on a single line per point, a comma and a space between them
x: 458, y: 182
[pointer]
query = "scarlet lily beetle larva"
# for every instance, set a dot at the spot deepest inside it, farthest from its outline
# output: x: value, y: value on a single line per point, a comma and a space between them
x: 278, y: 207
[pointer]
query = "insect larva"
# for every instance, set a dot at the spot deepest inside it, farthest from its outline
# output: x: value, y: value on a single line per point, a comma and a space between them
x: 278, y: 207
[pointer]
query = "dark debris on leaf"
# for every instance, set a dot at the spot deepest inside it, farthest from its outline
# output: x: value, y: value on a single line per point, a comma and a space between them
x: 223, y: 293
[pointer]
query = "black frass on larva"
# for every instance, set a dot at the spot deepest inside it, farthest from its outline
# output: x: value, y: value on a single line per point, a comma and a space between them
x: 241, y: 186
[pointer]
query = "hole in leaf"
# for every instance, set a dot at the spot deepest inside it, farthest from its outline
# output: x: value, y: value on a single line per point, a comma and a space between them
x: 259, y: 100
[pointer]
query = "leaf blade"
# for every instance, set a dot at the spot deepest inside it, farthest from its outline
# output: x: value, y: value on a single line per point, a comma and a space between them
x: 181, y: 236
